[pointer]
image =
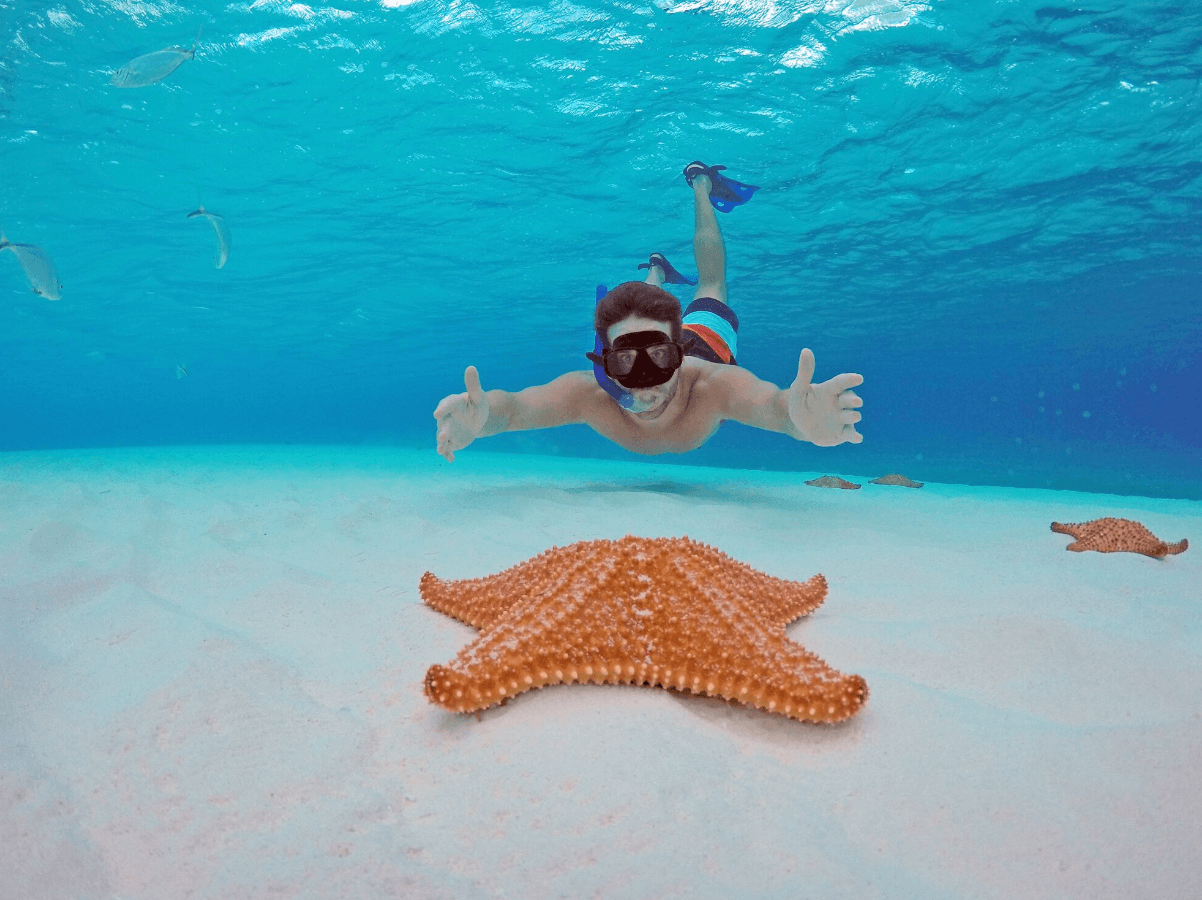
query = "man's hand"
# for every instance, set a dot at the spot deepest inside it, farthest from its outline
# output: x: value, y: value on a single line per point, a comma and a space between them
x: 461, y: 417
x: 824, y: 413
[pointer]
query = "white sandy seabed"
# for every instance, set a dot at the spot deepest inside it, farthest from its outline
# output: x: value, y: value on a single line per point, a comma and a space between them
x: 211, y: 663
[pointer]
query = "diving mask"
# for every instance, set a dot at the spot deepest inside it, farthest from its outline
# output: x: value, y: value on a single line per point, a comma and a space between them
x: 642, y: 359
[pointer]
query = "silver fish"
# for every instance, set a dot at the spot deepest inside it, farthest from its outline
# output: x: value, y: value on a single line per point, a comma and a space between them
x: 223, y: 233
x: 43, y: 279
x: 152, y: 68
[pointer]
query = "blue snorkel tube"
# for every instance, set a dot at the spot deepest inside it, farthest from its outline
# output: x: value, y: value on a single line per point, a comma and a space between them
x: 624, y: 397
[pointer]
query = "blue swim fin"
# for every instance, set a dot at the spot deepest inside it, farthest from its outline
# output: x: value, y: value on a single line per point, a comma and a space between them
x: 670, y: 274
x: 725, y: 193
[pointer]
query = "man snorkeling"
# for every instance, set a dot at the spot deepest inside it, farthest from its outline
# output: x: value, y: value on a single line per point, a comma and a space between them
x: 663, y: 383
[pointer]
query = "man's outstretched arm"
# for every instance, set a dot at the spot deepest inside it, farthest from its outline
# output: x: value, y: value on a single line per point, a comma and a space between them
x: 478, y: 413
x: 824, y: 414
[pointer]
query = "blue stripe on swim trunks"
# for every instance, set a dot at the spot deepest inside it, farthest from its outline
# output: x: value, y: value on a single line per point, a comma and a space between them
x: 718, y: 318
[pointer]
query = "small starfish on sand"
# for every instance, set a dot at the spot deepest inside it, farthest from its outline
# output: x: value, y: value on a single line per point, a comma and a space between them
x: 831, y: 481
x: 894, y: 478
x: 1117, y: 536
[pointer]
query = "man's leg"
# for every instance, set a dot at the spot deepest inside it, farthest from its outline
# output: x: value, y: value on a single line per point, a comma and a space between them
x: 708, y: 248
x: 655, y: 276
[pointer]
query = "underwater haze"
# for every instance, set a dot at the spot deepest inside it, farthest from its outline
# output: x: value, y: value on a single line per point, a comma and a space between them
x: 991, y: 210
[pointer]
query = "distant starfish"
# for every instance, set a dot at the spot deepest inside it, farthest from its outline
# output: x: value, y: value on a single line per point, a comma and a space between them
x: 900, y: 480
x: 830, y: 481
x: 1117, y: 536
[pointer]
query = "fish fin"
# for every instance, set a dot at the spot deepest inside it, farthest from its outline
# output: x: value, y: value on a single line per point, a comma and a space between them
x: 195, y: 42
x: 199, y: 212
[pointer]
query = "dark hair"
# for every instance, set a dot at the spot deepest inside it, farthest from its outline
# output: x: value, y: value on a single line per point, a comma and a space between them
x: 636, y: 298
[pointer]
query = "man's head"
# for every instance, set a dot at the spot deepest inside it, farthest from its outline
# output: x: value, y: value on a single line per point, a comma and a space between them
x: 645, y: 318
x: 636, y: 298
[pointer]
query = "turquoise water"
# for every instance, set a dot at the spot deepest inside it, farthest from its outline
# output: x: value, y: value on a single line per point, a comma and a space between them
x: 990, y: 210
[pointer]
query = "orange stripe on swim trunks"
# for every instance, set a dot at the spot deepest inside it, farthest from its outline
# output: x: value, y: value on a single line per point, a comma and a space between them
x: 712, y: 339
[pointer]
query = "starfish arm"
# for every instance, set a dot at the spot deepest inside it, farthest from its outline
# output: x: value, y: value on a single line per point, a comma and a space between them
x: 469, y: 688
x: 480, y: 602
x: 577, y: 640
x: 795, y: 683
x: 776, y: 601
x: 1180, y: 547
x: 1074, y: 531
x: 740, y: 658
x: 446, y: 597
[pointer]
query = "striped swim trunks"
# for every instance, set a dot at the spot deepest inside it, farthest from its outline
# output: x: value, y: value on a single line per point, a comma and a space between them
x: 710, y: 331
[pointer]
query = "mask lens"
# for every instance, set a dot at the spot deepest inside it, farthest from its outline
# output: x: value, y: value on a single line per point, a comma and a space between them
x: 666, y: 356
x: 620, y: 362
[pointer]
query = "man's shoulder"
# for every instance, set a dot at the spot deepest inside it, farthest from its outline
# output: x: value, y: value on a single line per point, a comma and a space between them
x: 585, y: 393
x: 574, y: 382
x: 699, y: 366
x: 706, y: 376
x: 580, y: 383
x: 714, y: 387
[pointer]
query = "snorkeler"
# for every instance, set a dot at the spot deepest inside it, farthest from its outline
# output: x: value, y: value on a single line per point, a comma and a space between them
x: 676, y: 377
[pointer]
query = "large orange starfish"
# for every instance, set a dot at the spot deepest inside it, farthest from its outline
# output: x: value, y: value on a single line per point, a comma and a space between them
x: 1117, y: 536
x: 667, y: 612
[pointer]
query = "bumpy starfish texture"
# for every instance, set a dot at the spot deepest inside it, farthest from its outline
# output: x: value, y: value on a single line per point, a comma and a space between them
x: 831, y: 481
x: 1117, y: 536
x: 894, y: 478
x: 666, y: 612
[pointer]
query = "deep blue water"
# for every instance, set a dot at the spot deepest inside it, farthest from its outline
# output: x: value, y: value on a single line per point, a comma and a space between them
x: 991, y: 210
